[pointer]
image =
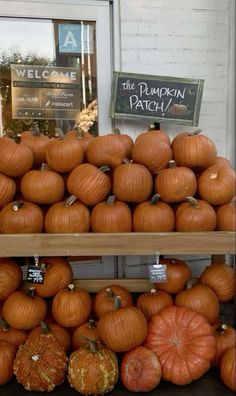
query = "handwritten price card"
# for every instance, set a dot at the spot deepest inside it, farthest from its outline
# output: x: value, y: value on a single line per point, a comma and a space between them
x: 168, y: 99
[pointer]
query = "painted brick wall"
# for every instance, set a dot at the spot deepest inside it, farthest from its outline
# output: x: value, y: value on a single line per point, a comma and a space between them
x: 184, y: 38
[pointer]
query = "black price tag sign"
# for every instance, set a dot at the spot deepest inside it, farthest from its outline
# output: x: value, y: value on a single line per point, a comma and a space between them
x: 157, y: 273
x: 35, y: 274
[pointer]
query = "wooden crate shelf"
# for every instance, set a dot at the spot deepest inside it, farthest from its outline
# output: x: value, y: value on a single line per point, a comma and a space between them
x: 87, y: 244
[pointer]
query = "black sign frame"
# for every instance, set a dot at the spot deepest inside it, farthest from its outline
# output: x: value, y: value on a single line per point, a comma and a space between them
x: 122, y: 90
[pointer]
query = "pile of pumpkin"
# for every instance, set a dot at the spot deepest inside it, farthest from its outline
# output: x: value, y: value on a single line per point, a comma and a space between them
x: 77, y: 183
x: 55, y: 330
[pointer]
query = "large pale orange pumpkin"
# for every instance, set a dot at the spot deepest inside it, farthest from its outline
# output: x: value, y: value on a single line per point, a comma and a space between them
x: 40, y: 364
x: 93, y: 369
x: 183, y: 341
x: 140, y: 370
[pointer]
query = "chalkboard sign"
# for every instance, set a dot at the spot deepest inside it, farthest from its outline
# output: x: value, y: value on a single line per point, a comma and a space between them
x: 168, y: 99
x: 35, y: 274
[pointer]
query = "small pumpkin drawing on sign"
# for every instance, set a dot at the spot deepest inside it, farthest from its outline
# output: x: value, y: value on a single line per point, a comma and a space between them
x: 178, y: 109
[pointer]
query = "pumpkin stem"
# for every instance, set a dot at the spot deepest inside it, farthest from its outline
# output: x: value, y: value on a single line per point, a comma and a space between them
x: 155, y: 199
x: 79, y: 132
x: 35, y: 129
x: 44, y: 327
x: 127, y: 161
x: 221, y: 328
x: 116, y: 131
x: 193, y: 202
x: 5, y: 326
x: 90, y: 343
x: 110, y: 292
x: 44, y: 166
x: 69, y: 201
x: 111, y: 199
x: 91, y: 324
x: 104, y: 168
x: 172, y: 164
x: 31, y: 291
x: 16, y: 205
x: 196, y: 131
x: 71, y: 287
x: 59, y: 133
x: 117, y: 302
x: 153, y: 291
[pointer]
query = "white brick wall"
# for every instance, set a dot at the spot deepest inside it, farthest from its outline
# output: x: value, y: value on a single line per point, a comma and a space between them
x: 184, y: 38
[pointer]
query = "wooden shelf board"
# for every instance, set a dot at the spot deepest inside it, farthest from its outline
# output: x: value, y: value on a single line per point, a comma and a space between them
x: 88, y: 244
x: 133, y: 285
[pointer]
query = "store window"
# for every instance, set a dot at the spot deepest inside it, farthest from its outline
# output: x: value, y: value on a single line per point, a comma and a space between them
x: 52, y: 69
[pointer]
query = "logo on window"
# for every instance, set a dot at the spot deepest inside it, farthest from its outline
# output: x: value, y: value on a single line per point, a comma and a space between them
x: 76, y: 38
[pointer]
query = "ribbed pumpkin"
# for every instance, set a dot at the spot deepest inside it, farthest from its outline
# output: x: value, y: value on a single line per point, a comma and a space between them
x: 84, y: 137
x: 40, y: 364
x: 57, y: 275
x: 126, y: 140
x: 150, y: 303
x: 122, y: 329
x: 21, y: 217
x: 175, y: 183
x: 11, y: 335
x: 7, y: 356
x: 132, y: 182
x: 15, y: 159
x: 183, y: 341
x: 10, y: 277
x: 216, y: 184
x: 193, y: 150
x: 106, y: 150
x: 82, y: 333
x: 24, y: 311
x: 159, y: 134
x: 7, y: 189
x: 89, y: 184
x: 93, y: 369
x: 42, y: 186
x: 178, y: 273
x: 111, y: 216
x: 61, y: 334
x: 228, y: 368
x: 71, y: 306
x: 67, y: 216
x: 153, y: 216
x: 195, y: 215
x: 104, y: 300
x: 226, y: 216
x: 140, y: 370
x: 225, y: 339
x: 220, y: 277
x: 37, y: 142
x: 152, y: 152
x: 202, y: 299
x: 63, y: 155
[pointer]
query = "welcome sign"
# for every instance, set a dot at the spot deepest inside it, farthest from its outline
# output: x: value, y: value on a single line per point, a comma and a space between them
x: 45, y: 92
x: 160, y: 98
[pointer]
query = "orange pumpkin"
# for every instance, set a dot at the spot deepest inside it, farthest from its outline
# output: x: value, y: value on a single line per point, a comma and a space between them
x: 37, y: 142
x: 11, y: 335
x: 84, y: 332
x: 7, y: 356
x: 71, y: 306
x: 57, y: 275
x: 183, y: 341
x: 24, y: 311
x: 21, y: 217
x: 111, y: 216
x: 150, y: 303
x: 16, y: 159
x: 104, y: 300
x: 84, y: 137
x: 106, y: 149
x: 7, y: 189
x: 226, y: 216
x: 220, y: 277
x: 123, y: 328
x: 225, y: 339
x: 67, y: 216
x: 178, y: 273
x: 228, y: 368
x: 159, y: 134
x: 202, y: 299
x: 10, y: 277
x: 40, y: 364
